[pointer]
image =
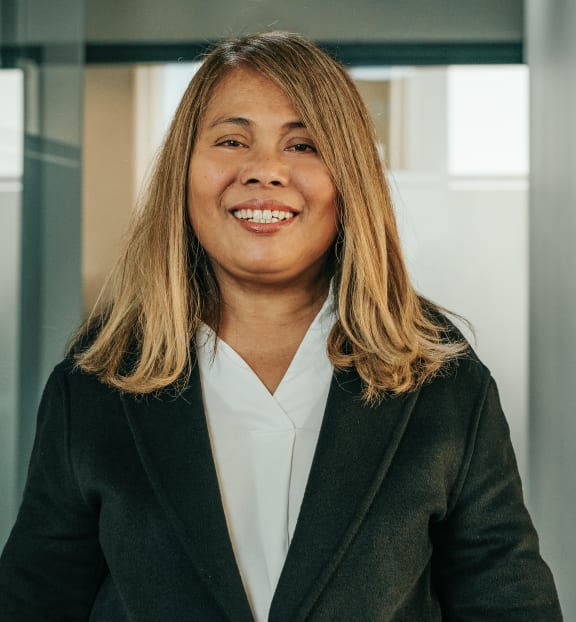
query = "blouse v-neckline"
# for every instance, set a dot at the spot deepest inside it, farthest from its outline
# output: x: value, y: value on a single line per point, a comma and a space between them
x: 263, y: 446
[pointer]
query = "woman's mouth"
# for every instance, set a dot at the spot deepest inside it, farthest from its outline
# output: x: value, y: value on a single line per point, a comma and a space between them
x: 262, y: 216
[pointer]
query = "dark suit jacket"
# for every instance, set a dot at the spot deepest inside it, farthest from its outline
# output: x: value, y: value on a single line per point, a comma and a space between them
x: 413, y: 512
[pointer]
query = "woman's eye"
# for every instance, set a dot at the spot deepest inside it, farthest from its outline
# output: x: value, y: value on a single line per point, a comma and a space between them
x: 229, y: 142
x: 303, y: 148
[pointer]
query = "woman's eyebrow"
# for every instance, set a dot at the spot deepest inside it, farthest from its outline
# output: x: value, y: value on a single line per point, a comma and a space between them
x: 294, y: 125
x: 233, y: 120
x: 244, y: 122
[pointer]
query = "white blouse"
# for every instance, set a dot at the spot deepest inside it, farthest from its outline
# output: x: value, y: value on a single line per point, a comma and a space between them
x: 263, y: 446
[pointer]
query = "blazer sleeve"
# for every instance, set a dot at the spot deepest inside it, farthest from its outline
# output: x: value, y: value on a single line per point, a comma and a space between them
x: 52, y: 565
x: 488, y: 564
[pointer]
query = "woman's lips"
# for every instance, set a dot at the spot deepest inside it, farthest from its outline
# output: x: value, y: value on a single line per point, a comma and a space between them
x: 263, y: 216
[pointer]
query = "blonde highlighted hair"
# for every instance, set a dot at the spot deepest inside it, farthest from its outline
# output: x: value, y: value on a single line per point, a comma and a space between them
x: 140, y: 337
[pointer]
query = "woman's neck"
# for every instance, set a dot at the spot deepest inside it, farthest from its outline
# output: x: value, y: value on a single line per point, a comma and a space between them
x: 265, y: 325
x: 266, y: 313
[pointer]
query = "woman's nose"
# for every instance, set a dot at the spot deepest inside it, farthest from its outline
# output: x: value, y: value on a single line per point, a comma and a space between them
x: 264, y: 167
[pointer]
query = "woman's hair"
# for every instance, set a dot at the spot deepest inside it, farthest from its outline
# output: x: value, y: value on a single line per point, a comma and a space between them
x: 140, y: 335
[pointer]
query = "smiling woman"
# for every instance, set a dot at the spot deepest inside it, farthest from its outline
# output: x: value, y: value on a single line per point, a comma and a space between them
x: 263, y: 207
x: 263, y: 420
x: 253, y: 157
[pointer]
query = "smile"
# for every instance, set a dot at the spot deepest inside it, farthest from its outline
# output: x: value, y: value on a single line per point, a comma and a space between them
x: 262, y: 216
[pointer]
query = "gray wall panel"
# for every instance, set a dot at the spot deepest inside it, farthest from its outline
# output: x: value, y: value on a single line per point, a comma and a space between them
x: 552, y: 59
x: 410, y: 20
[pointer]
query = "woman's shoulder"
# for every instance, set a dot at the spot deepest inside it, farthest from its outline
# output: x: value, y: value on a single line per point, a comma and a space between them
x: 447, y: 322
x: 85, y: 336
x: 71, y: 382
x: 79, y: 358
x: 70, y: 387
x: 451, y: 327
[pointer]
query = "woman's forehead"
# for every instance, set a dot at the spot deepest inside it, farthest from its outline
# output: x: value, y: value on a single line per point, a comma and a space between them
x: 245, y: 91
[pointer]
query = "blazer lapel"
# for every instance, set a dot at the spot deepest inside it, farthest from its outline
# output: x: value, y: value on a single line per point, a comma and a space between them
x: 172, y: 438
x: 355, y: 448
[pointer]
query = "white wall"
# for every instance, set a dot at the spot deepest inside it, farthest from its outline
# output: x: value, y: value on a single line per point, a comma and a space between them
x: 467, y: 250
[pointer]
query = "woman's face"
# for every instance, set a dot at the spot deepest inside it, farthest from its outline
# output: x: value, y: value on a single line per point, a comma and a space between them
x: 260, y: 199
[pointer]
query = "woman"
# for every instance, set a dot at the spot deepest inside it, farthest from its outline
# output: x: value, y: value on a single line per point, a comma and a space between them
x: 264, y: 421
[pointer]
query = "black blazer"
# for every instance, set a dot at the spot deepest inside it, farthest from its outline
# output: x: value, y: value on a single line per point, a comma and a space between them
x: 413, y: 512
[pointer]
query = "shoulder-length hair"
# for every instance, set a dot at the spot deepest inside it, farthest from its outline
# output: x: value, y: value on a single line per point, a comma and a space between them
x: 142, y: 331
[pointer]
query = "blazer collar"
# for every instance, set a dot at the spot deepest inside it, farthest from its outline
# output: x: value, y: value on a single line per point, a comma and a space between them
x: 354, y: 451
x: 173, y: 442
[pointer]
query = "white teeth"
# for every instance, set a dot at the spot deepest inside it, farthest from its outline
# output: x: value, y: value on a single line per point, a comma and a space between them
x: 265, y: 216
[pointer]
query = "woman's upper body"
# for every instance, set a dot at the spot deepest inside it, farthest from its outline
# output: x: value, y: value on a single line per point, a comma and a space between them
x: 267, y: 189
x: 413, y: 511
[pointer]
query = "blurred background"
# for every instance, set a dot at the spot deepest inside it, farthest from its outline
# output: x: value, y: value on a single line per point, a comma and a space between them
x: 473, y: 103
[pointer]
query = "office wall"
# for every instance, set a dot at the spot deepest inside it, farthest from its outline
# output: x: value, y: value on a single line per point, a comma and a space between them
x: 552, y: 59
x: 108, y: 195
x: 364, y: 20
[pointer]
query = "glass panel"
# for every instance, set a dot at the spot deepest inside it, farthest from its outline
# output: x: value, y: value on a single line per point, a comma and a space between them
x: 11, y: 165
